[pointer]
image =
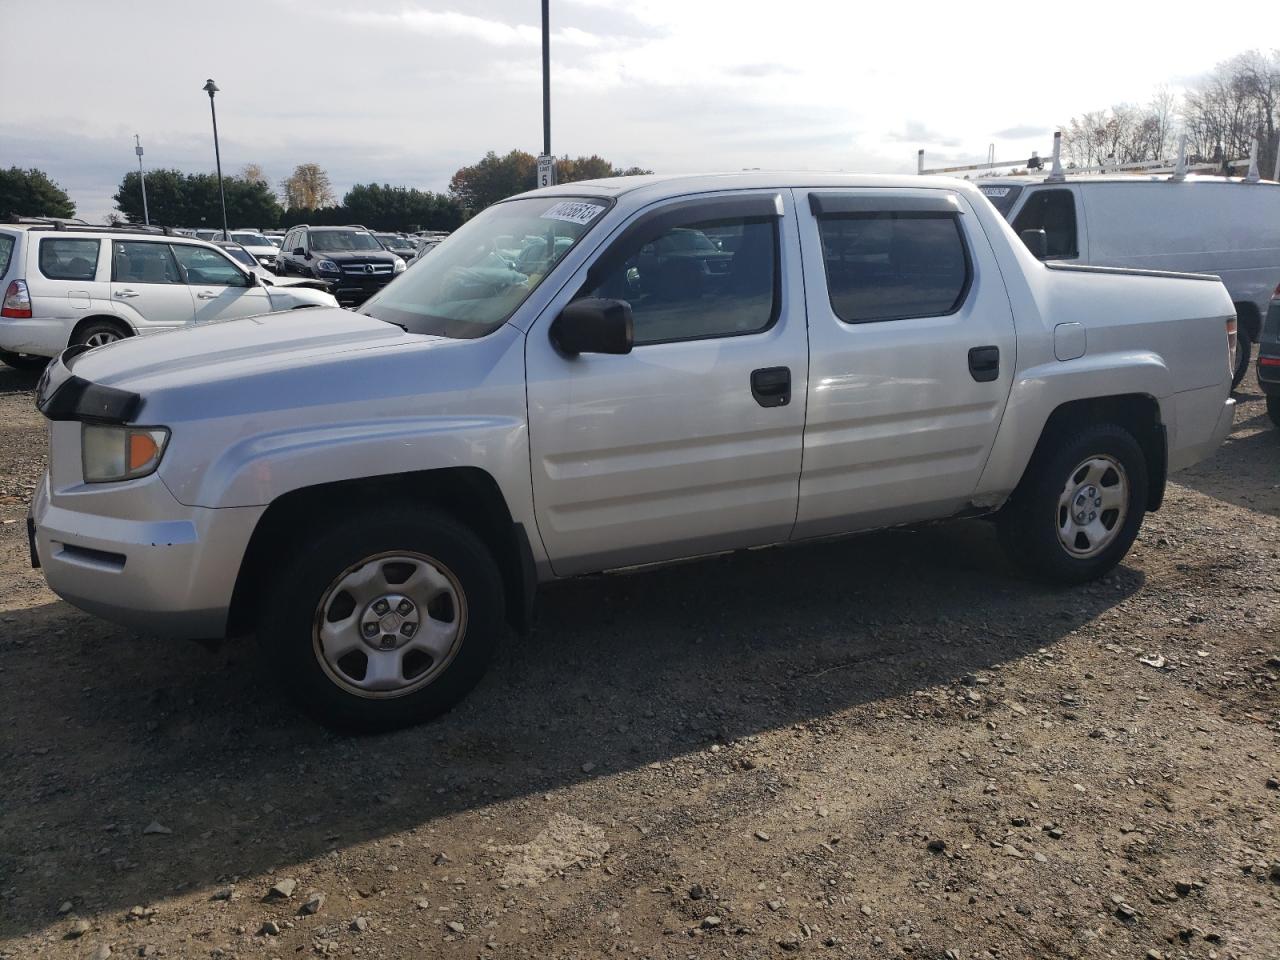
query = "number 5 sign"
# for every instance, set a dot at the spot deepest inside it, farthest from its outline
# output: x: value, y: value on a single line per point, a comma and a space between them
x: 546, y: 171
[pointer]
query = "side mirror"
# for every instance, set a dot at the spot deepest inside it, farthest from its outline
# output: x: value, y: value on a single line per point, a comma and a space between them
x: 594, y: 325
x: 1037, y: 242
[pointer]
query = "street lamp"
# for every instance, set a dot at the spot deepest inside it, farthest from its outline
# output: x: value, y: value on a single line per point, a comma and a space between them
x: 211, y: 88
x: 142, y: 178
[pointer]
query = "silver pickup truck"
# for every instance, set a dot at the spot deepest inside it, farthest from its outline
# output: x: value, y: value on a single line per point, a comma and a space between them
x: 609, y: 374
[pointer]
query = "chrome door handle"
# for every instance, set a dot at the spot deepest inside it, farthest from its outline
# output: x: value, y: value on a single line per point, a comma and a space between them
x: 206, y: 295
x: 126, y: 293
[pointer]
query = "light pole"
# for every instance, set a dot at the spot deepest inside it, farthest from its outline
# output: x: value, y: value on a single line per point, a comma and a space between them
x: 142, y: 178
x: 211, y: 88
x: 546, y: 78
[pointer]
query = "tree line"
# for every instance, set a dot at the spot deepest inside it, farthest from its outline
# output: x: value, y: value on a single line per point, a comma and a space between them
x: 178, y: 199
x: 1220, y: 115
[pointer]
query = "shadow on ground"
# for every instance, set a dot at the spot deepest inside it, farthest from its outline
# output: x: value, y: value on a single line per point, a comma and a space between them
x: 104, y: 732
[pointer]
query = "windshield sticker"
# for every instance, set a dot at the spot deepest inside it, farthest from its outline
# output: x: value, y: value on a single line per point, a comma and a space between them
x: 573, y: 211
x: 995, y: 191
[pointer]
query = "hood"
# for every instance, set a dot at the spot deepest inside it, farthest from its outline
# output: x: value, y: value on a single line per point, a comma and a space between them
x: 355, y: 256
x: 231, y: 349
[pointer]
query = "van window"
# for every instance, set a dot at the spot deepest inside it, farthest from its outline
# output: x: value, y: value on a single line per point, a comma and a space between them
x: 6, y: 252
x: 68, y: 259
x: 894, y: 265
x: 143, y: 263
x: 1002, y: 195
x: 1054, y: 212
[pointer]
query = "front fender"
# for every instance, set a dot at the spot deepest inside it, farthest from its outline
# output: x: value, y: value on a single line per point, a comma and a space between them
x: 1039, y: 390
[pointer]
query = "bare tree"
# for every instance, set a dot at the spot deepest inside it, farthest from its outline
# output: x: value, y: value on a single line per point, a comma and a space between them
x: 1236, y: 102
x: 308, y: 188
x: 253, y: 173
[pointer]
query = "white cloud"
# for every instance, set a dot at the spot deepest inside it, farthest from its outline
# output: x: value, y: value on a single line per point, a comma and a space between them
x: 452, y: 23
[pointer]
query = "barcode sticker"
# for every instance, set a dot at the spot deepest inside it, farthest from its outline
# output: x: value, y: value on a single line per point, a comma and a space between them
x: 573, y: 211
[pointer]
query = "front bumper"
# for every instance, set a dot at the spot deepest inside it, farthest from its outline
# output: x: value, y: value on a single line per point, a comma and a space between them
x: 172, y: 573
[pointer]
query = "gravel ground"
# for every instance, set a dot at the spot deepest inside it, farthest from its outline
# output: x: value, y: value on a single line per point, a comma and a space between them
x: 881, y: 747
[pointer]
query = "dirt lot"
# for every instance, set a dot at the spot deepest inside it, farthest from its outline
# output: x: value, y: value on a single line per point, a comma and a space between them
x: 890, y: 746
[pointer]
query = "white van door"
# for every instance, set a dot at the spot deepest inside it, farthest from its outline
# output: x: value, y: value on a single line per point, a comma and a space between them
x: 1058, y: 211
x: 221, y: 290
x: 147, y: 287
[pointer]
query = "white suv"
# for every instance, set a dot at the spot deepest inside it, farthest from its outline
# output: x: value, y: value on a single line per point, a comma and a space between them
x: 66, y: 285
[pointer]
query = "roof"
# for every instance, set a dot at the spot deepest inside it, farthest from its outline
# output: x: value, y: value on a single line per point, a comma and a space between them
x: 1028, y: 179
x: 668, y: 185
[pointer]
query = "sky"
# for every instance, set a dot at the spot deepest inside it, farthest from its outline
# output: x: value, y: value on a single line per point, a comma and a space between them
x: 407, y: 91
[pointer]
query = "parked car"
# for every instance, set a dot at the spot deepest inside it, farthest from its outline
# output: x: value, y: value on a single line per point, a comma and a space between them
x: 260, y: 246
x: 1201, y: 224
x: 1269, y: 358
x: 350, y: 257
x: 265, y: 276
x: 93, y: 285
x: 423, y: 247
x: 402, y: 247
x: 374, y: 492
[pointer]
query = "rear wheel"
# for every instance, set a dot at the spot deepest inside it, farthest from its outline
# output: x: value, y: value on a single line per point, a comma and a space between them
x: 384, y: 621
x: 23, y: 361
x: 98, y: 333
x: 1273, y: 410
x: 1079, y: 507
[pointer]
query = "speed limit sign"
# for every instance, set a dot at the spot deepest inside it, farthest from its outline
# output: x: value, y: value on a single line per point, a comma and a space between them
x: 546, y: 171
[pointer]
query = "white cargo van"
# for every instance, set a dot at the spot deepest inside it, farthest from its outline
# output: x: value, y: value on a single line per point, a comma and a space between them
x: 1201, y: 224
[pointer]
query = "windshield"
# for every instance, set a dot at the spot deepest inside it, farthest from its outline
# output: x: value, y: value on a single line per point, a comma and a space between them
x: 477, y: 278
x: 343, y: 241
x: 251, y: 239
x: 241, y: 254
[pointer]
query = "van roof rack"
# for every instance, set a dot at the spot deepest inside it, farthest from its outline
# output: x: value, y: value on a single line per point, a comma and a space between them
x: 1177, y: 167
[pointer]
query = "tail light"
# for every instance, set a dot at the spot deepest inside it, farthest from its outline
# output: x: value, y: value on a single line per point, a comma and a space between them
x: 1233, y: 344
x: 17, y: 301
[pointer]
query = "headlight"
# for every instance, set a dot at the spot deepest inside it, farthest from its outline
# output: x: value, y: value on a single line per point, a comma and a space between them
x: 120, y: 453
x: 327, y: 266
x: 399, y: 267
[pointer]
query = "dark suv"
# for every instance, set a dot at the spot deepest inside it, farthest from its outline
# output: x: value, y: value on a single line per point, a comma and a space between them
x: 350, y: 258
x: 1269, y: 358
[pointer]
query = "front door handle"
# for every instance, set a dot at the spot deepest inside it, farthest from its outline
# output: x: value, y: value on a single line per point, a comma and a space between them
x: 771, y: 386
x: 126, y: 294
x: 984, y: 363
x: 206, y: 295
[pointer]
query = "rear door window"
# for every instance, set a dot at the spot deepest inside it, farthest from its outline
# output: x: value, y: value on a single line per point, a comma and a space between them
x: 68, y: 259
x: 892, y: 265
x: 133, y: 262
x: 1054, y: 212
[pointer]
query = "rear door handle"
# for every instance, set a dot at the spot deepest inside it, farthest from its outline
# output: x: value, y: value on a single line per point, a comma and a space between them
x: 126, y: 294
x: 984, y: 363
x: 771, y: 386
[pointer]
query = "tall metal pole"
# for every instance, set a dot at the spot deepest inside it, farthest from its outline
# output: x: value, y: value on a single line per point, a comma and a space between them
x: 211, y: 88
x: 142, y: 178
x: 546, y: 77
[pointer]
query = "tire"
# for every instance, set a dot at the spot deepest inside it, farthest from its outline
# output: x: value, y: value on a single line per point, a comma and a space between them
x: 1244, y: 350
x: 98, y: 333
x: 1038, y: 526
x: 314, y: 618
x: 1273, y: 410
x: 27, y: 362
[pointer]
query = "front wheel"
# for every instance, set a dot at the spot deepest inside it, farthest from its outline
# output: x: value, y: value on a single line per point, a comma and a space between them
x: 384, y: 621
x: 1078, y: 508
